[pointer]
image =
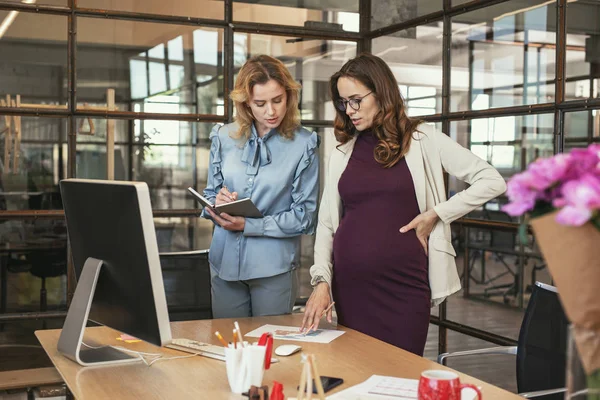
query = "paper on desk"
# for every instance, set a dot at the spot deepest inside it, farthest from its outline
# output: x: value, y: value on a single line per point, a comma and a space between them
x: 293, y: 333
x: 128, y: 339
x: 387, y: 387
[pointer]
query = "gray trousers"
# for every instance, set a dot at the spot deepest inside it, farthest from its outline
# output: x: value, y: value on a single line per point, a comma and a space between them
x: 274, y: 295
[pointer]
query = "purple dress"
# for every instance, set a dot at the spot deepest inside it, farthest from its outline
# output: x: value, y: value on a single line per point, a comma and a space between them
x: 380, y: 276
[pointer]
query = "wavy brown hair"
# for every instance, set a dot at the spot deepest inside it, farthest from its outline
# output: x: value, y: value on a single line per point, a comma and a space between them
x: 391, y: 125
x: 259, y: 70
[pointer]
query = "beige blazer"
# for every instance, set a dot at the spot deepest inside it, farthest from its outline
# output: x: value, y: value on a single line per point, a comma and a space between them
x: 431, y: 152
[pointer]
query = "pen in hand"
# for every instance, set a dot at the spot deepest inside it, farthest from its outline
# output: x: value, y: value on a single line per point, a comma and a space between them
x: 310, y: 328
x: 228, y: 194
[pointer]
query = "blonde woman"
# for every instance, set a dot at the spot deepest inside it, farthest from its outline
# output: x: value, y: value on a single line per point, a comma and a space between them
x: 267, y: 156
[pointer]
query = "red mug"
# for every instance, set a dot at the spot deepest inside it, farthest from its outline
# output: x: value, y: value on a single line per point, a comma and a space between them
x: 442, y: 385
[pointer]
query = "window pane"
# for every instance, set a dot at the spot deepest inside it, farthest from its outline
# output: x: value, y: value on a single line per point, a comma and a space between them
x: 91, y: 161
x: 157, y: 52
x: 176, y: 49
x: 153, y: 68
x: 312, y: 13
x: 168, y: 171
x: 385, y: 13
x: 35, y: 184
x: 32, y: 166
x: 496, y: 270
x: 583, y: 51
x: 415, y: 57
x: 164, y: 132
x: 508, y: 143
x: 504, y: 53
x: 38, y: 248
x: 310, y: 61
x: 210, y: 9
x: 583, y: 126
x: 576, y: 88
x: 208, y: 60
x: 158, y: 77
x: 94, y: 130
x: 183, y: 234
x: 139, y: 79
x: 576, y: 145
x: 33, y: 61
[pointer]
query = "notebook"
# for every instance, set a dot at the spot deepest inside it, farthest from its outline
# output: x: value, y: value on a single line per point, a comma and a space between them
x: 239, y: 208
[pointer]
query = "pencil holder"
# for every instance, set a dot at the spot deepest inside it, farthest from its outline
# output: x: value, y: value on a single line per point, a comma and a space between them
x: 245, y: 367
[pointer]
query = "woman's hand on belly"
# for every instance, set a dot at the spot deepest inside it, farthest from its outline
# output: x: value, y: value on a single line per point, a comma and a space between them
x: 423, y: 224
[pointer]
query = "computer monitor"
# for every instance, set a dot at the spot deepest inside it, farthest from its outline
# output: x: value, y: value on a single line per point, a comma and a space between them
x: 115, y: 255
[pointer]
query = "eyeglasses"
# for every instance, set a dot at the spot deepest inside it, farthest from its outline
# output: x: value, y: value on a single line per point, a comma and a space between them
x: 341, y: 104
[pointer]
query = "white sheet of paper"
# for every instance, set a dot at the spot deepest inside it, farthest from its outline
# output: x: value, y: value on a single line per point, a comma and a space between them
x: 387, y: 387
x: 293, y: 333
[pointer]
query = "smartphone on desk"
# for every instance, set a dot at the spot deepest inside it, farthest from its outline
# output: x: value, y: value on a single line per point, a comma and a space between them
x: 328, y: 383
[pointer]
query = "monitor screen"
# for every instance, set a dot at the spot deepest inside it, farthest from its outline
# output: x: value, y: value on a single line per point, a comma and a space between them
x: 112, y: 221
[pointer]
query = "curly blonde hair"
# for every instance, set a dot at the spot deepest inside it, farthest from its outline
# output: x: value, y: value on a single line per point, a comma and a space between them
x: 259, y: 70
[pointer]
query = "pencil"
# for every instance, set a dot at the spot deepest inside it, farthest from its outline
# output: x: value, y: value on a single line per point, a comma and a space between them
x: 234, y: 339
x: 221, y: 338
x: 317, y: 377
x: 322, y: 315
x: 237, y: 326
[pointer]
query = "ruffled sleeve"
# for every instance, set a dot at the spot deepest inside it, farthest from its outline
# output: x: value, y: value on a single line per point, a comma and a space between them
x: 310, y: 153
x: 215, y: 156
x: 214, y: 181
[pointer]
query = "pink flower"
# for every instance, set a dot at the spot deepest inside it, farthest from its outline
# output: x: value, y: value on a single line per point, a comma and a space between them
x: 516, y: 209
x: 573, y: 216
x: 549, y: 171
x: 569, y: 182
x: 581, y: 198
x: 520, y: 193
x: 583, y: 162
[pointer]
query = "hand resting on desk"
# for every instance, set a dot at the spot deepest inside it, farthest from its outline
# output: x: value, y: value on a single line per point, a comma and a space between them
x: 318, y: 302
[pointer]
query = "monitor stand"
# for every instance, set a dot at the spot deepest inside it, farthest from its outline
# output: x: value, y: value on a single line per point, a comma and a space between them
x: 71, y: 337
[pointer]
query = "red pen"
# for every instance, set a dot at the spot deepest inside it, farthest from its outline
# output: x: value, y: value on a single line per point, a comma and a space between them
x: 267, y: 340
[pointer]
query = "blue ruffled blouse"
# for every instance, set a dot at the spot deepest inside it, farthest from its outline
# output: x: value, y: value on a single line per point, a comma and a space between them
x: 281, y: 176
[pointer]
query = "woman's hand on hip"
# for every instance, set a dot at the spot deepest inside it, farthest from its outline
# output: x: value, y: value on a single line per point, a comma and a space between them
x: 318, y: 302
x: 423, y: 225
x: 225, y: 196
x: 228, y: 222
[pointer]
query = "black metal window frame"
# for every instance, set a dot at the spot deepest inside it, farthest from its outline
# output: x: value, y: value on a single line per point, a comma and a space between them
x: 363, y: 39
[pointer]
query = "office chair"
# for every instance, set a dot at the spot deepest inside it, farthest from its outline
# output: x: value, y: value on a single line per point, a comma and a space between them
x: 503, y: 241
x: 499, y: 245
x: 41, y: 264
x: 541, y: 351
x: 47, y: 264
x: 186, y: 275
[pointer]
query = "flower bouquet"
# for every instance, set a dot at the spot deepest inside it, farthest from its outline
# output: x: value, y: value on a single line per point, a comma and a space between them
x: 560, y: 198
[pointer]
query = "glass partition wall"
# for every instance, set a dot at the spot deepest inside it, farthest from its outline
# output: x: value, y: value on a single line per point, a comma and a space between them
x: 130, y: 90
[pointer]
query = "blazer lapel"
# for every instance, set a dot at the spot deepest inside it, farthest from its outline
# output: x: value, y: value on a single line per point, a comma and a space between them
x: 338, y: 164
x: 414, y: 160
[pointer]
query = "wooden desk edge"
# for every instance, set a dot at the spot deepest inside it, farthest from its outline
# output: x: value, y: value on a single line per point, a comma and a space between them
x: 26, y: 378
